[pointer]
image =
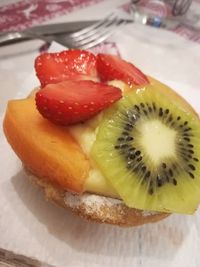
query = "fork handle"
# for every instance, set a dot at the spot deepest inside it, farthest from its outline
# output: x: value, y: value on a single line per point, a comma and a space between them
x: 15, y: 37
x: 12, y: 37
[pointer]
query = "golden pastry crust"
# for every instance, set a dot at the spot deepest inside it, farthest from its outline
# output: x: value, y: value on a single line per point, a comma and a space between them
x: 96, y: 208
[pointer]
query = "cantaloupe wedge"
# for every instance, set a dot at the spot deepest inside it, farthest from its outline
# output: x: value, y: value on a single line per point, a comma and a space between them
x: 47, y: 149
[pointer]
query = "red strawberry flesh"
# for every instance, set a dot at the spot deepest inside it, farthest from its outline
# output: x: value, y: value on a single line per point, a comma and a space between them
x: 111, y: 67
x: 71, y: 102
x: 71, y: 64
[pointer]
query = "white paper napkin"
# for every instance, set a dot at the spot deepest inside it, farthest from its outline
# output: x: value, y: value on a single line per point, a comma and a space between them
x: 33, y: 227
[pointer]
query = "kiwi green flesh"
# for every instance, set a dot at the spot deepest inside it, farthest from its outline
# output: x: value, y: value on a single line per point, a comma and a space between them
x: 148, y: 147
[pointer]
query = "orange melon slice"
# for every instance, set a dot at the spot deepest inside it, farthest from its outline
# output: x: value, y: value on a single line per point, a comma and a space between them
x: 48, y: 150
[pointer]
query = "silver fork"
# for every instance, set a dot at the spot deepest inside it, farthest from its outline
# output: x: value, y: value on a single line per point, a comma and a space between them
x: 93, y: 35
x: 85, y: 38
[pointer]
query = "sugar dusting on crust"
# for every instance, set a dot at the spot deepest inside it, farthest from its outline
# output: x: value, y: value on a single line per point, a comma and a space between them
x: 90, y: 199
x: 95, y: 207
x: 94, y: 203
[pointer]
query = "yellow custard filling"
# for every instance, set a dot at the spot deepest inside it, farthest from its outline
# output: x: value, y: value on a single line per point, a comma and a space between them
x: 85, y: 135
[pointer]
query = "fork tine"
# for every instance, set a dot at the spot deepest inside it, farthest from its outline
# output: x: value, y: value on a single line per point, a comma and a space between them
x: 95, y: 42
x: 105, y: 24
x: 98, y: 37
x: 90, y: 28
x: 92, y: 35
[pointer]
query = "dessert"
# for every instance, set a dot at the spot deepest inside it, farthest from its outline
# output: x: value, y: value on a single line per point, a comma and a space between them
x: 106, y: 141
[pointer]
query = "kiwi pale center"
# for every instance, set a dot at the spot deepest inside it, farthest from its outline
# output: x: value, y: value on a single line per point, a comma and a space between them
x: 155, y: 145
x: 165, y: 140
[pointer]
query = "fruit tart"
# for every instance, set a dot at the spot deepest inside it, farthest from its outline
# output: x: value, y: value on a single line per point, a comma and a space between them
x: 106, y: 141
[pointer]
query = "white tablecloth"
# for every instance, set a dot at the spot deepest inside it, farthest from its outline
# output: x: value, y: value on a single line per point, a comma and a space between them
x: 30, y: 226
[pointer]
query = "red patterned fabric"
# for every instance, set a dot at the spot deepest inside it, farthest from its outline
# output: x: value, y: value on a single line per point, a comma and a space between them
x: 23, y: 14
x: 27, y: 13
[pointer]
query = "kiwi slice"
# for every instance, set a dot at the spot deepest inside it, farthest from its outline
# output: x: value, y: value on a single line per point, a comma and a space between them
x: 148, y: 147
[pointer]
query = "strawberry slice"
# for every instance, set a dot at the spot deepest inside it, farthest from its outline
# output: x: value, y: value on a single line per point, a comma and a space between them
x: 111, y: 67
x: 70, y: 64
x: 71, y: 102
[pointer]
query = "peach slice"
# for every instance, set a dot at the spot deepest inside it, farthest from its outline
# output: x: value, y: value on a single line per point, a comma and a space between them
x: 48, y: 150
